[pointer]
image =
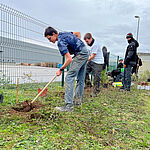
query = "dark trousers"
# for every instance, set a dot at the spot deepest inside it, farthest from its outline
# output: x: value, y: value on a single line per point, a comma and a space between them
x: 96, y: 70
x: 135, y: 69
x: 127, y: 77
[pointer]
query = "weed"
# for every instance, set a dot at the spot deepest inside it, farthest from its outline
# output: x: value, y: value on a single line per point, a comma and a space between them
x: 113, y: 120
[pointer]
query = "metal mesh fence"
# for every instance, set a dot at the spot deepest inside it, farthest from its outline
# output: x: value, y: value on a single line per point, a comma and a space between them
x: 24, y: 51
x: 113, y: 61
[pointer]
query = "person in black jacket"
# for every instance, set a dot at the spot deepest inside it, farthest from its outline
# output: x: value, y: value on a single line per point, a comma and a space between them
x: 130, y: 60
x: 116, y: 73
x: 119, y: 67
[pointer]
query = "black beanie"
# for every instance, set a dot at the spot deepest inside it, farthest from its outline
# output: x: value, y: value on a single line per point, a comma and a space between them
x: 129, y: 35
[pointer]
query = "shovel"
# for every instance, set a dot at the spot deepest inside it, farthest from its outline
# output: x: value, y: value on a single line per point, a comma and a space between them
x: 43, y: 89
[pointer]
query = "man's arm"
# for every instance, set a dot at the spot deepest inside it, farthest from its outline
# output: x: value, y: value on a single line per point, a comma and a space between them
x: 91, y: 57
x: 68, y: 60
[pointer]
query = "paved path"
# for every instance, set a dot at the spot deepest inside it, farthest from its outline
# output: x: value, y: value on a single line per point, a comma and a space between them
x: 28, y: 74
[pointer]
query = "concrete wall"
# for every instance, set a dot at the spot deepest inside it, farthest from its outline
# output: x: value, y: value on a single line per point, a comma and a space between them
x: 23, y: 52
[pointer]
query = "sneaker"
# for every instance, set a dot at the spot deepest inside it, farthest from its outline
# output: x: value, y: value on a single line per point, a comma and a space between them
x: 65, y: 108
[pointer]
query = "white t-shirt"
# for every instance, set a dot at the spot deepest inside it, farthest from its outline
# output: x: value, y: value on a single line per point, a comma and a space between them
x: 96, y: 49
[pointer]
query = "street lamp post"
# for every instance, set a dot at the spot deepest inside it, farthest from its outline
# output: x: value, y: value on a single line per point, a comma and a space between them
x: 137, y: 27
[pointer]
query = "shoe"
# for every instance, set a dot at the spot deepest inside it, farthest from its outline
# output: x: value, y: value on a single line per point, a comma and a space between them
x: 65, y: 108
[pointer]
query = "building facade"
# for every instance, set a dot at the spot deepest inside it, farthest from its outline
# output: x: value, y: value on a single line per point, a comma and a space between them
x: 145, y: 57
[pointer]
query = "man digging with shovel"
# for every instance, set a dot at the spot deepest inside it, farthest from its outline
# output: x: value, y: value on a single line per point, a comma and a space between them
x: 69, y: 44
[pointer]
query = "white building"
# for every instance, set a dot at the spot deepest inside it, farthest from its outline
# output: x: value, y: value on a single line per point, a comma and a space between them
x: 145, y: 61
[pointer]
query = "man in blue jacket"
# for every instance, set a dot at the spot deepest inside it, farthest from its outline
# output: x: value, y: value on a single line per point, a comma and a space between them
x: 130, y: 60
x: 69, y: 44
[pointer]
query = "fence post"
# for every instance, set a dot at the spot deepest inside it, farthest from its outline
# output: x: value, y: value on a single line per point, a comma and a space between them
x: 108, y: 55
x: 117, y: 60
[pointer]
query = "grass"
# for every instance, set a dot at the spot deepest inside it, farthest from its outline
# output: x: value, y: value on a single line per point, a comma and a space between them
x: 113, y: 120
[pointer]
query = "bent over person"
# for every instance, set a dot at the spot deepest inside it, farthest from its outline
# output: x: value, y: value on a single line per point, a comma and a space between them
x: 95, y: 63
x: 69, y: 44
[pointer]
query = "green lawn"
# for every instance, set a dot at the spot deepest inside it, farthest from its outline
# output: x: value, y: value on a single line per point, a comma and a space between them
x: 113, y: 120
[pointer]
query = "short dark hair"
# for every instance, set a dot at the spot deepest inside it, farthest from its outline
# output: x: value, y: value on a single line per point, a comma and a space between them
x: 87, y: 36
x: 49, y: 31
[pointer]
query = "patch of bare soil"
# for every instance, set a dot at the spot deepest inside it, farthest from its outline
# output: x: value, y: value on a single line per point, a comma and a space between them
x: 88, y: 90
x: 27, y: 106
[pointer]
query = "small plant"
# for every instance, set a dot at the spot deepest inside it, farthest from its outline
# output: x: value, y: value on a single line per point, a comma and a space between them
x: 28, y: 77
x: 104, y: 78
x: 4, y: 80
x: 145, y: 76
x: 148, y: 74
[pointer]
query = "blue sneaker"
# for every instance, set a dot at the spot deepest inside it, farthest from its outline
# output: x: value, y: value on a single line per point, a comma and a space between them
x: 65, y: 108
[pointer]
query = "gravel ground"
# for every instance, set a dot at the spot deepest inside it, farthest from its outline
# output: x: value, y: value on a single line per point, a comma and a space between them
x: 28, y: 74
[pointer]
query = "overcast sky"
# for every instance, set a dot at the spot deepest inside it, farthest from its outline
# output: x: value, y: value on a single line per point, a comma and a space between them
x: 108, y: 20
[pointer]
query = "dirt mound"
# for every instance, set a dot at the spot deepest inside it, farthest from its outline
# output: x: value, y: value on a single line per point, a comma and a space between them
x: 27, y: 106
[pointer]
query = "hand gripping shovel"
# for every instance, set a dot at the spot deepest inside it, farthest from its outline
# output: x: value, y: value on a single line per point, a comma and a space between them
x: 29, y: 106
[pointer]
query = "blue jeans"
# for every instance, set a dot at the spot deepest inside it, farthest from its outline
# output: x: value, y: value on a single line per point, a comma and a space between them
x: 77, y: 69
x: 127, y: 77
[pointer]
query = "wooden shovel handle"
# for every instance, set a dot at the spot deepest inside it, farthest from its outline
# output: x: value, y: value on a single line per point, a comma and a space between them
x: 44, y: 88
